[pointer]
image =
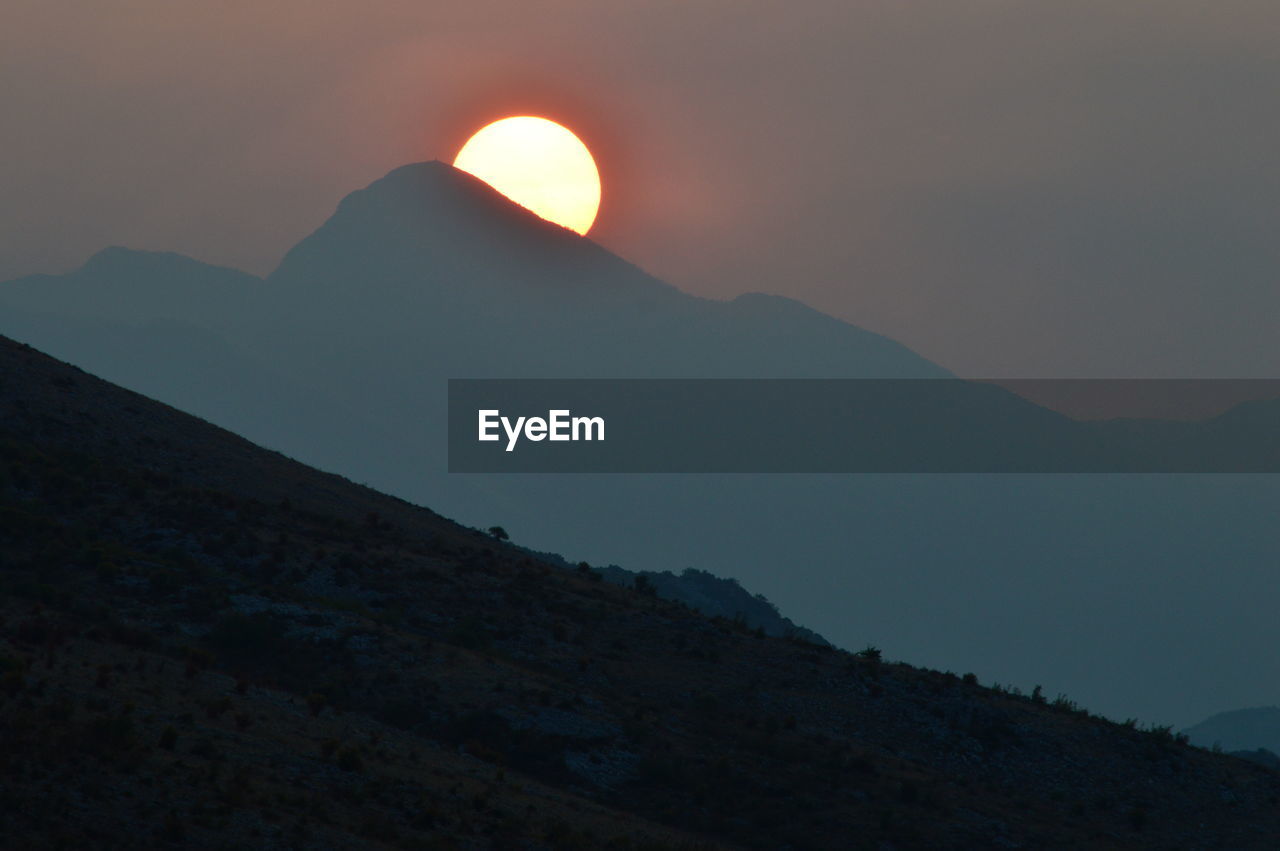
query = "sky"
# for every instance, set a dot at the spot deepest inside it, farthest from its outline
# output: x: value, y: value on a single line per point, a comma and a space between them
x: 1083, y: 189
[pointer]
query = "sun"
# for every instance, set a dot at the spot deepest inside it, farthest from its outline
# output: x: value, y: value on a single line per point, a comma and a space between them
x: 539, y: 164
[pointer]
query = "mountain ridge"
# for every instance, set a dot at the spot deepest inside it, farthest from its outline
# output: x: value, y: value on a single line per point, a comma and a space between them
x: 430, y: 211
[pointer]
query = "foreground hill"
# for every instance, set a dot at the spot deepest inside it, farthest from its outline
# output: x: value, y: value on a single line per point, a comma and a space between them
x: 204, y: 642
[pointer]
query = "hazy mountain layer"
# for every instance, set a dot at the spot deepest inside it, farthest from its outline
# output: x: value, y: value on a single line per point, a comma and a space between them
x: 1239, y: 730
x: 1137, y: 594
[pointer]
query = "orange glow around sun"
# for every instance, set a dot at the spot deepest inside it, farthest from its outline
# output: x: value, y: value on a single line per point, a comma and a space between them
x: 538, y: 164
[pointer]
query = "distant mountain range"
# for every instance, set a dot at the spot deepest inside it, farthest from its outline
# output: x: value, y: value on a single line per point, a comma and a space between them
x: 703, y: 592
x: 1239, y: 730
x: 205, y: 644
x: 339, y: 357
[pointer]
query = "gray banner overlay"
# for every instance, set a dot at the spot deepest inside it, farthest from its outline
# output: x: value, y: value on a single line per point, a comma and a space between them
x: 862, y: 426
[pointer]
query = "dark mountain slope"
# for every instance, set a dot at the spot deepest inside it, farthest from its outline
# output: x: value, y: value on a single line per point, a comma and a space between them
x: 205, y: 642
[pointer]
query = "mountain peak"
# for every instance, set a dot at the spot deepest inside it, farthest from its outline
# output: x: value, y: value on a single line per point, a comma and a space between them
x: 434, y: 185
x: 158, y: 271
x: 429, y: 221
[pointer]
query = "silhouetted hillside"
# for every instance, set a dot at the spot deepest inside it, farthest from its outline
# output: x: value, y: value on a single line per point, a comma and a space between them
x: 205, y: 643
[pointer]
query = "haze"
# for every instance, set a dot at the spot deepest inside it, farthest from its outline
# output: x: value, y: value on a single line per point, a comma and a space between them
x: 1015, y: 189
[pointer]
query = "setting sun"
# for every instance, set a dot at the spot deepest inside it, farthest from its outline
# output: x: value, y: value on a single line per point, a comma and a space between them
x: 540, y: 165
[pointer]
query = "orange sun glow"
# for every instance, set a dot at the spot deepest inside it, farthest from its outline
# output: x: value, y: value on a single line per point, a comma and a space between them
x: 540, y: 165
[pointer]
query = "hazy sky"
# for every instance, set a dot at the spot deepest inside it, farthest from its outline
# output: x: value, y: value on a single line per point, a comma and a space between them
x: 1080, y: 188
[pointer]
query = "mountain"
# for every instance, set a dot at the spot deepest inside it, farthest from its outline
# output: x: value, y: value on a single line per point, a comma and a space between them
x: 442, y: 251
x: 701, y: 591
x: 715, y: 596
x: 340, y: 357
x: 434, y: 254
x: 204, y: 643
x: 1239, y: 730
x: 136, y: 287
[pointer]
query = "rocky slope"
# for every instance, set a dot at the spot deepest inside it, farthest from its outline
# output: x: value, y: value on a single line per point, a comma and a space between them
x: 203, y: 642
